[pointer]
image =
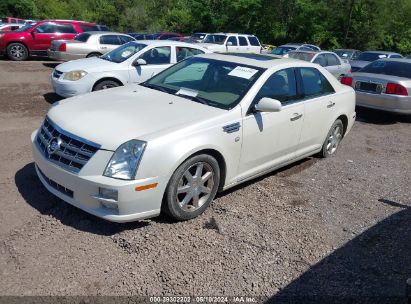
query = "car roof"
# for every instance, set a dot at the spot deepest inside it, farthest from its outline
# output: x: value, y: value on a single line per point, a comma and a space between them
x: 313, y: 52
x: 104, y: 33
x: 168, y: 42
x: 232, y: 34
x: 257, y: 60
x: 346, y: 50
x: 66, y: 21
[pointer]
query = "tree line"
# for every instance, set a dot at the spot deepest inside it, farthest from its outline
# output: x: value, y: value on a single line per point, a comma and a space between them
x: 360, y: 24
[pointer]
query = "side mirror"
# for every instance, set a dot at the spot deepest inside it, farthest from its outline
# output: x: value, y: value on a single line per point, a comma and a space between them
x: 140, y: 61
x: 229, y: 43
x: 268, y: 105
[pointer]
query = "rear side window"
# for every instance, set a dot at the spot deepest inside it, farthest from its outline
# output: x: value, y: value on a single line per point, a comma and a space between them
x: 242, y: 40
x: 125, y: 39
x: 395, y: 56
x: 314, y: 83
x: 110, y: 39
x: 83, y: 37
x: 281, y: 86
x: 321, y: 60
x: 233, y: 40
x: 332, y: 59
x: 65, y: 29
x: 253, y: 41
x: 394, y: 68
x: 88, y: 28
x: 185, y: 52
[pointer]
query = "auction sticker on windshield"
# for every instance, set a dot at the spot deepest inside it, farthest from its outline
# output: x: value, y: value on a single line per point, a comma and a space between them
x: 243, y: 72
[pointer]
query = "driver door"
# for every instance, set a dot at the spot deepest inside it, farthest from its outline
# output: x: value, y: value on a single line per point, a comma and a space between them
x: 157, y: 59
x: 271, y: 139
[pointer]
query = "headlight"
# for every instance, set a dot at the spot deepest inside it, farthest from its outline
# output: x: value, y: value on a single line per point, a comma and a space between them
x: 124, y: 162
x: 74, y: 75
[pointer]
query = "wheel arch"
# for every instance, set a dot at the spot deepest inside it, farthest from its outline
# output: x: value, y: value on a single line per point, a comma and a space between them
x: 21, y: 42
x: 97, y: 53
x: 107, y: 78
x: 344, y: 120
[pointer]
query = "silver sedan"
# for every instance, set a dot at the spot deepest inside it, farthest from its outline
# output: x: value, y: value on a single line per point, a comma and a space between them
x: 329, y: 60
x: 88, y: 44
x: 384, y: 84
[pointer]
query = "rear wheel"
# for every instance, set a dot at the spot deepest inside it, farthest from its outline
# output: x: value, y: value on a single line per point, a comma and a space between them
x: 333, y: 139
x: 192, y: 187
x: 106, y: 84
x: 17, y: 51
x: 93, y: 55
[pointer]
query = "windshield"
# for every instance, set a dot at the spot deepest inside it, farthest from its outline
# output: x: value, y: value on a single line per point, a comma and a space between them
x: 25, y: 27
x: 198, y: 35
x: 365, y: 56
x: 301, y: 55
x: 123, y: 52
x: 218, y: 39
x: 215, y: 83
x: 281, y: 50
x: 392, y: 68
x: 343, y: 53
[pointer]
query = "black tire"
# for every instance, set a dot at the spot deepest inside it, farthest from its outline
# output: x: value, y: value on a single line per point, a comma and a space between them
x: 17, y: 51
x: 106, y: 84
x: 333, y: 139
x: 193, y: 207
x: 93, y: 55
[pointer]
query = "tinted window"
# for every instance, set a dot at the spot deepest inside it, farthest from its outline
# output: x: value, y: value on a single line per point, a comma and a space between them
x: 366, y: 56
x: 281, y: 86
x: 88, y: 28
x: 253, y: 41
x: 65, y: 29
x: 83, y: 37
x: 332, y: 59
x: 46, y: 28
x: 281, y: 50
x: 395, y: 56
x: 185, y: 52
x: 125, y: 39
x: 110, y: 39
x: 394, y: 68
x: 242, y: 40
x: 314, y: 83
x: 218, y: 39
x: 321, y: 60
x: 233, y: 40
x: 158, y: 55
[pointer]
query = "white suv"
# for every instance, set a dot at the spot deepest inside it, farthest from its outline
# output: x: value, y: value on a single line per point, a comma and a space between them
x: 228, y: 43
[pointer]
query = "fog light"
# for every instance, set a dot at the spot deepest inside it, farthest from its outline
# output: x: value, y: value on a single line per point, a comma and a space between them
x: 110, y: 194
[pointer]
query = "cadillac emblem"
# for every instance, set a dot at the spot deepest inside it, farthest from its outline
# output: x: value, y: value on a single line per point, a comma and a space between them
x: 54, y: 145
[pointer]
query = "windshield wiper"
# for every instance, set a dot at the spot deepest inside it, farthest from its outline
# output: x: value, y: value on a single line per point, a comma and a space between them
x: 195, y: 98
x: 155, y: 87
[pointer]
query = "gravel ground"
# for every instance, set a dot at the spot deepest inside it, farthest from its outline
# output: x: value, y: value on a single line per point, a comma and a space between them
x: 333, y: 227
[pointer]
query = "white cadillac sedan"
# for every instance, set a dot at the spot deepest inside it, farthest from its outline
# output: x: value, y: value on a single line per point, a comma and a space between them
x: 133, y: 62
x: 205, y: 124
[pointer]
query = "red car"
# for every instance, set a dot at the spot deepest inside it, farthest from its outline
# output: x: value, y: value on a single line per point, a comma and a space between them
x: 35, y: 38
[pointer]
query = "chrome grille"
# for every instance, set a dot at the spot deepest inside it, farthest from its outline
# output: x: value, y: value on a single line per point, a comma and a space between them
x: 57, y: 74
x: 69, y: 151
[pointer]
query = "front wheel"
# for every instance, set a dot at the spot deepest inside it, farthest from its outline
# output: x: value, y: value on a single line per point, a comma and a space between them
x: 192, y: 187
x: 333, y: 139
x: 17, y: 52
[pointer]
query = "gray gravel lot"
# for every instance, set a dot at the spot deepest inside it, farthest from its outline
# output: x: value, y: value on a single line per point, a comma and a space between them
x: 334, y: 227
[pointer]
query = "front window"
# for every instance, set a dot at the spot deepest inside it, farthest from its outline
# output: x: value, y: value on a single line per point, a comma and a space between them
x: 25, y: 27
x: 393, y: 68
x: 217, y: 39
x: 88, y: 28
x: 123, y: 52
x: 365, y: 56
x: 158, y: 55
x: 215, y: 83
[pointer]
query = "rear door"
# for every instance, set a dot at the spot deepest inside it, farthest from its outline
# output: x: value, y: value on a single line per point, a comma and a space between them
x: 255, y: 46
x: 243, y: 44
x: 319, y: 102
x: 108, y: 43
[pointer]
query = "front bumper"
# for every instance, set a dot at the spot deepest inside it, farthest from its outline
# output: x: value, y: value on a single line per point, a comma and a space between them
x: 385, y: 102
x: 67, y: 88
x: 81, y: 190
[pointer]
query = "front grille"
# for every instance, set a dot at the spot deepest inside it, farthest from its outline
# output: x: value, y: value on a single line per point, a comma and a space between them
x: 57, y: 74
x: 64, y: 149
x: 368, y: 87
x: 56, y: 186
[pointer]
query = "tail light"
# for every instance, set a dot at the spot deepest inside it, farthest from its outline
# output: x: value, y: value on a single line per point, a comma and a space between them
x: 346, y: 80
x: 396, y: 89
x: 62, y: 47
x: 261, y: 49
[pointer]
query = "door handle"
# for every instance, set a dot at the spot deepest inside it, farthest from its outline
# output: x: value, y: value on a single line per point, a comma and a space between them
x: 330, y: 104
x: 296, y: 116
x: 103, y: 47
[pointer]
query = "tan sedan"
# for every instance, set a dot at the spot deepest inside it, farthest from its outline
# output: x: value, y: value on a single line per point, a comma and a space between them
x: 88, y: 44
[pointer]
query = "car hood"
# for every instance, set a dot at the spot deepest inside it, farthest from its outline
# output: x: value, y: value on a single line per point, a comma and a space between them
x: 359, y: 63
x: 93, y: 64
x: 112, y: 117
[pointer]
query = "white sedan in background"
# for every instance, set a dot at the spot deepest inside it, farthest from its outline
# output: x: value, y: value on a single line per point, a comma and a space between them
x: 329, y: 60
x: 206, y: 124
x: 133, y: 62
